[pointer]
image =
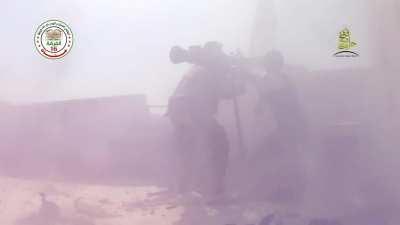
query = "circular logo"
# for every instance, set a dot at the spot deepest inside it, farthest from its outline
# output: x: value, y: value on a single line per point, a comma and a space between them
x: 53, y: 39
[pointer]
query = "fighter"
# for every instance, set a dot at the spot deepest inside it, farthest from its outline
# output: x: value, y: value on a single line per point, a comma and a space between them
x: 283, y: 146
x: 192, y: 109
x: 278, y: 93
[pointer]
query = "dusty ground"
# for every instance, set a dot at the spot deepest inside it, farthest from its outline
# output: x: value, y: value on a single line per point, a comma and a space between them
x: 38, y: 202
x: 78, y: 204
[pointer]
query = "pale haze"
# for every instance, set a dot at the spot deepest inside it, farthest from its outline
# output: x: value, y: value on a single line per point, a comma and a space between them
x: 121, y: 47
x: 201, y: 112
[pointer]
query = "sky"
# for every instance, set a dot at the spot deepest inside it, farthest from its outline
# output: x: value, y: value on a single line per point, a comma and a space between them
x: 121, y: 46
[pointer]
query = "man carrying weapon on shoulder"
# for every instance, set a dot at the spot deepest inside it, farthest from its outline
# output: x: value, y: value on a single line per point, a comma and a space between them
x: 192, y: 109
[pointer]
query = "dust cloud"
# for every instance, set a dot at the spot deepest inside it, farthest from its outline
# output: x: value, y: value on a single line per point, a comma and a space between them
x: 253, y: 119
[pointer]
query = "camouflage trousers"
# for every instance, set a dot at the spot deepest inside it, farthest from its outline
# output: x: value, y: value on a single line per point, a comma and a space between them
x: 203, y: 151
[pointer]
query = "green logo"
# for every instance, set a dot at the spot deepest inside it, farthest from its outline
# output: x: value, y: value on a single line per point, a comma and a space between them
x: 345, y: 43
